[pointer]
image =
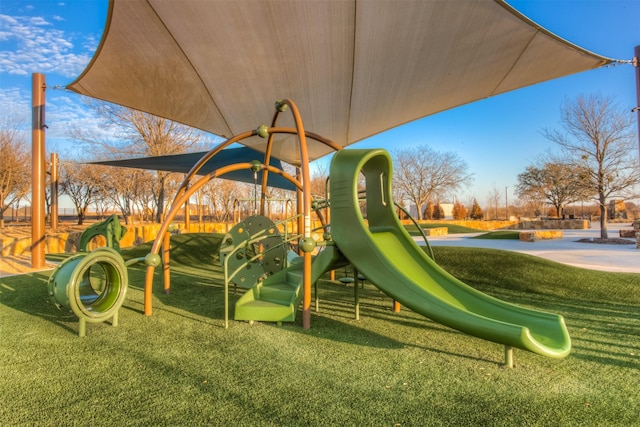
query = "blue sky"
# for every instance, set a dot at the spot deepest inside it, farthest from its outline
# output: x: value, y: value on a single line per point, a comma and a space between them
x: 497, y: 137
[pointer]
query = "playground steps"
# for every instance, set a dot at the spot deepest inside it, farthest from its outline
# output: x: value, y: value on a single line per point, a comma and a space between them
x: 279, y: 293
x: 276, y: 299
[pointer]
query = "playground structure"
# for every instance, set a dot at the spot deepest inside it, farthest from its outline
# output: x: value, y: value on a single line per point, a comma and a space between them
x: 93, y: 285
x: 371, y: 239
x: 364, y: 231
x: 366, y: 78
x: 110, y: 229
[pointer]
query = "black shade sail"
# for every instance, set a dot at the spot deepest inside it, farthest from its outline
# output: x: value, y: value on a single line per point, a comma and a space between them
x: 183, y: 163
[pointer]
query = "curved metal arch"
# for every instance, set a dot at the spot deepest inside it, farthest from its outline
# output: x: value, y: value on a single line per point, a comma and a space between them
x: 178, y: 202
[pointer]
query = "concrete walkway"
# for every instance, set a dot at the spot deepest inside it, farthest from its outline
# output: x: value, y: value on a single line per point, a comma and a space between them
x: 603, y: 257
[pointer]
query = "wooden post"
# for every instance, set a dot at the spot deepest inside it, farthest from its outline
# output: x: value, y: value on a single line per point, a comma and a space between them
x: 38, y: 87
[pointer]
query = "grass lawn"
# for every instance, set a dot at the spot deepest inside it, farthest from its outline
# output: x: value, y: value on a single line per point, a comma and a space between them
x: 499, y: 235
x: 452, y: 228
x: 181, y: 367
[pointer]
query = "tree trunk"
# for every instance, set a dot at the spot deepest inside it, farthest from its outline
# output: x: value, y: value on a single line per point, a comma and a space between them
x: 603, y: 218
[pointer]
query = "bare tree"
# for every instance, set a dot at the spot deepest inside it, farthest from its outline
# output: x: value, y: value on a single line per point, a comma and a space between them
x: 78, y: 181
x: 531, y: 206
x: 319, y: 180
x: 137, y: 134
x: 599, y: 140
x: 14, y: 169
x: 558, y: 183
x: 222, y: 194
x: 128, y: 189
x: 494, y: 197
x: 421, y: 173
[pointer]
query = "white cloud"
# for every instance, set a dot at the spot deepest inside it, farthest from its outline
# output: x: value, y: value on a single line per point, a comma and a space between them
x: 64, y: 111
x: 38, y: 20
x: 15, y: 104
x: 33, y: 46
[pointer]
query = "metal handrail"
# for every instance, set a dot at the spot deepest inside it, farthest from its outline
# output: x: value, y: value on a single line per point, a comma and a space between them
x: 424, y: 236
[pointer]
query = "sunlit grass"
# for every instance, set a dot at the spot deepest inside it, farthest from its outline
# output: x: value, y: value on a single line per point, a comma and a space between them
x: 451, y: 228
x: 499, y: 235
x: 181, y: 367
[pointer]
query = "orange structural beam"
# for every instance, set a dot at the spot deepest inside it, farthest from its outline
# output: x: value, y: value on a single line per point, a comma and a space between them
x: 306, y: 214
x: 38, y: 87
x: 175, y: 207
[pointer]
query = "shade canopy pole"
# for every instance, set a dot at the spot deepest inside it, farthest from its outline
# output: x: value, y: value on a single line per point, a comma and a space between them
x: 636, y: 64
x: 38, y: 87
x: 53, y: 173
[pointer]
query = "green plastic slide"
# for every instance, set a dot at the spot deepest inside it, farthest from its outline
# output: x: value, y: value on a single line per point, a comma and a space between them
x: 381, y: 249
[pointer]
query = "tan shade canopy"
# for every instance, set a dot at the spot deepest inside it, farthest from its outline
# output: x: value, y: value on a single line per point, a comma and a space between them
x: 355, y: 68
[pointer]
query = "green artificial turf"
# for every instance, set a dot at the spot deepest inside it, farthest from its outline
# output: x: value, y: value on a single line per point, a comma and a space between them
x: 451, y: 228
x: 499, y: 235
x: 181, y: 367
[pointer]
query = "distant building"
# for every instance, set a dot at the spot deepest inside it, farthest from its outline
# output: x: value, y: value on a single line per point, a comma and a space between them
x: 447, y: 208
x: 617, y: 209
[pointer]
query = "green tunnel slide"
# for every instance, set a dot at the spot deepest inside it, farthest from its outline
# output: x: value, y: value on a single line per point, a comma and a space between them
x: 386, y: 254
x: 381, y: 249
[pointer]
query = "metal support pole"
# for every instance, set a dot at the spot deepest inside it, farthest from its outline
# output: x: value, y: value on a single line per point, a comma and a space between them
x: 38, y: 87
x: 396, y: 306
x: 166, y: 260
x: 356, y: 295
x: 299, y: 205
x: 508, y: 356
x: 636, y: 64
x: 506, y: 203
x: 54, y: 191
x: 187, y: 216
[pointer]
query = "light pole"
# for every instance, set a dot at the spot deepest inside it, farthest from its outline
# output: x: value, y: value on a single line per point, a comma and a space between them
x: 506, y: 203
